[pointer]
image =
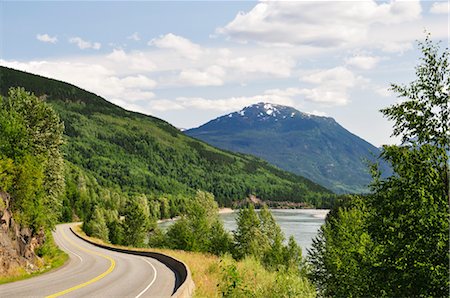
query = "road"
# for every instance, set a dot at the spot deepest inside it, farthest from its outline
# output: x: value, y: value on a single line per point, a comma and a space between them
x: 95, y: 272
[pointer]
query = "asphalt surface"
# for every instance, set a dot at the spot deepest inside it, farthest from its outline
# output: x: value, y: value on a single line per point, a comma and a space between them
x: 95, y: 272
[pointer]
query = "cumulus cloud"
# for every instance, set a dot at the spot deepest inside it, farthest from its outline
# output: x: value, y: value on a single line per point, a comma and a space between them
x: 277, y: 65
x: 332, y: 86
x: 83, y: 44
x: 228, y: 104
x: 135, y: 61
x: 211, y: 76
x: 182, y: 45
x: 135, y: 36
x: 92, y: 77
x: 46, y: 38
x: 297, y: 22
x: 364, y: 62
x: 440, y: 8
x: 217, y: 66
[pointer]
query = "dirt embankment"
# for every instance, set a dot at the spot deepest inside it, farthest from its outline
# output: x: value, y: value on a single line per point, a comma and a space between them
x: 17, y: 244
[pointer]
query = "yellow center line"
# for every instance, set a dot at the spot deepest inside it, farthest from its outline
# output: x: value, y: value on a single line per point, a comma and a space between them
x: 97, y: 278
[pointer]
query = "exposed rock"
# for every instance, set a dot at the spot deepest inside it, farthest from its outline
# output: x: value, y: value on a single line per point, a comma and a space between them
x: 17, y: 244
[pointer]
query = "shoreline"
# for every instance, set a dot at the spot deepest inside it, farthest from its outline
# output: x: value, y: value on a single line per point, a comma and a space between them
x: 316, y: 213
x: 221, y: 211
x: 226, y: 210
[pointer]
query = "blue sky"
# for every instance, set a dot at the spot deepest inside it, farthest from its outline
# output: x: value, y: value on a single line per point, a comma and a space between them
x: 188, y: 62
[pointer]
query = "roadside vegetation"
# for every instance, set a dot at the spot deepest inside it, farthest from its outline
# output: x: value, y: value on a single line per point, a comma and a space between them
x: 31, y: 173
x: 223, y: 276
x: 394, y: 242
x: 253, y: 261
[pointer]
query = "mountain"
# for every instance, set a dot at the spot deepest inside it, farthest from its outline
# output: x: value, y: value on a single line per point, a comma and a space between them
x: 308, y: 145
x: 132, y: 153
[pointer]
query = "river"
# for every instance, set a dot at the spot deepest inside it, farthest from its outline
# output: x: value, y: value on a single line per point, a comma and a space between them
x: 303, y: 224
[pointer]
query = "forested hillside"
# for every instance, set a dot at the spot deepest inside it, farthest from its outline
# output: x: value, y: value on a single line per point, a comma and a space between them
x: 131, y: 153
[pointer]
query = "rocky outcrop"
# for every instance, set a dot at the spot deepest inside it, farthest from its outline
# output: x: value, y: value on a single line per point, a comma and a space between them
x: 17, y: 243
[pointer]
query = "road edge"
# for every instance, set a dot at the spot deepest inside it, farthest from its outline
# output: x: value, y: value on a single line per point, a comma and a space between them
x: 184, y: 284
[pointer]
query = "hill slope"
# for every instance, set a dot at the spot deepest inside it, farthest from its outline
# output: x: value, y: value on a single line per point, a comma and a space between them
x: 135, y: 153
x: 312, y: 146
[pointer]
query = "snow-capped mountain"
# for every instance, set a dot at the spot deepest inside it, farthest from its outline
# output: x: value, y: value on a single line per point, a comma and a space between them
x: 267, y: 112
x: 313, y: 146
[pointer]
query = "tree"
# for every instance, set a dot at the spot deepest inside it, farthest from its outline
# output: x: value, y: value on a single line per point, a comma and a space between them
x: 31, y: 135
x: 248, y: 238
x: 259, y: 236
x: 97, y: 226
x: 423, y: 117
x: 274, y: 255
x: 341, y: 253
x: 395, y: 242
x: 410, y: 221
x: 200, y: 229
x: 136, y: 223
x: 410, y: 224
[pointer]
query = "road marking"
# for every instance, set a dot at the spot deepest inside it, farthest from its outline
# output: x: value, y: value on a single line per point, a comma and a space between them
x: 66, y: 248
x: 150, y: 284
x: 97, y: 278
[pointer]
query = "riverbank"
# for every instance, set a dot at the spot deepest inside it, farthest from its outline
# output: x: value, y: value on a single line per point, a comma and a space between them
x: 221, y: 211
x: 226, y: 210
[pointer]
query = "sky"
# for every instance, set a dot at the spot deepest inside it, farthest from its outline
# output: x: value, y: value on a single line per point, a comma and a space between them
x: 188, y: 62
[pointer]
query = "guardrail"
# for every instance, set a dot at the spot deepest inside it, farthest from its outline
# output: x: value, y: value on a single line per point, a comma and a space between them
x: 184, y: 285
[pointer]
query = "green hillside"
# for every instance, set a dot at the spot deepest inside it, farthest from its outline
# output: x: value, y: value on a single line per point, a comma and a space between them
x: 132, y: 153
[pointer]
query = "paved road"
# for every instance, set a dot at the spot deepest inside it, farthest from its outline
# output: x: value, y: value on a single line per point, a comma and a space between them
x: 95, y: 272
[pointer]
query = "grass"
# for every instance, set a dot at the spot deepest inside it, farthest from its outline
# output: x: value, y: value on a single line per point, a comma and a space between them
x: 51, y: 258
x: 224, y: 277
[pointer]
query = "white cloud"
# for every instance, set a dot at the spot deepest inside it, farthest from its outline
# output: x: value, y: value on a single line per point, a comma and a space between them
x: 277, y: 65
x: 395, y: 46
x: 440, y: 8
x: 383, y: 91
x: 181, y: 45
x: 317, y: 113
x: 92, y: 77
x: 234, y: 103
x: 332, y: 85
x: 82, y: 44
x: 365, y: 62
x: 211, y: 76
x: 321, y: 24
x: 135, y: 61
x: 138, y: 81
x: 46, y: 38
x: 229, y: 104
x: 135, y: 36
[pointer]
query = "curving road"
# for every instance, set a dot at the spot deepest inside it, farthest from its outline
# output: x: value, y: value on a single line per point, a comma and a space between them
x: 95, y: 272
